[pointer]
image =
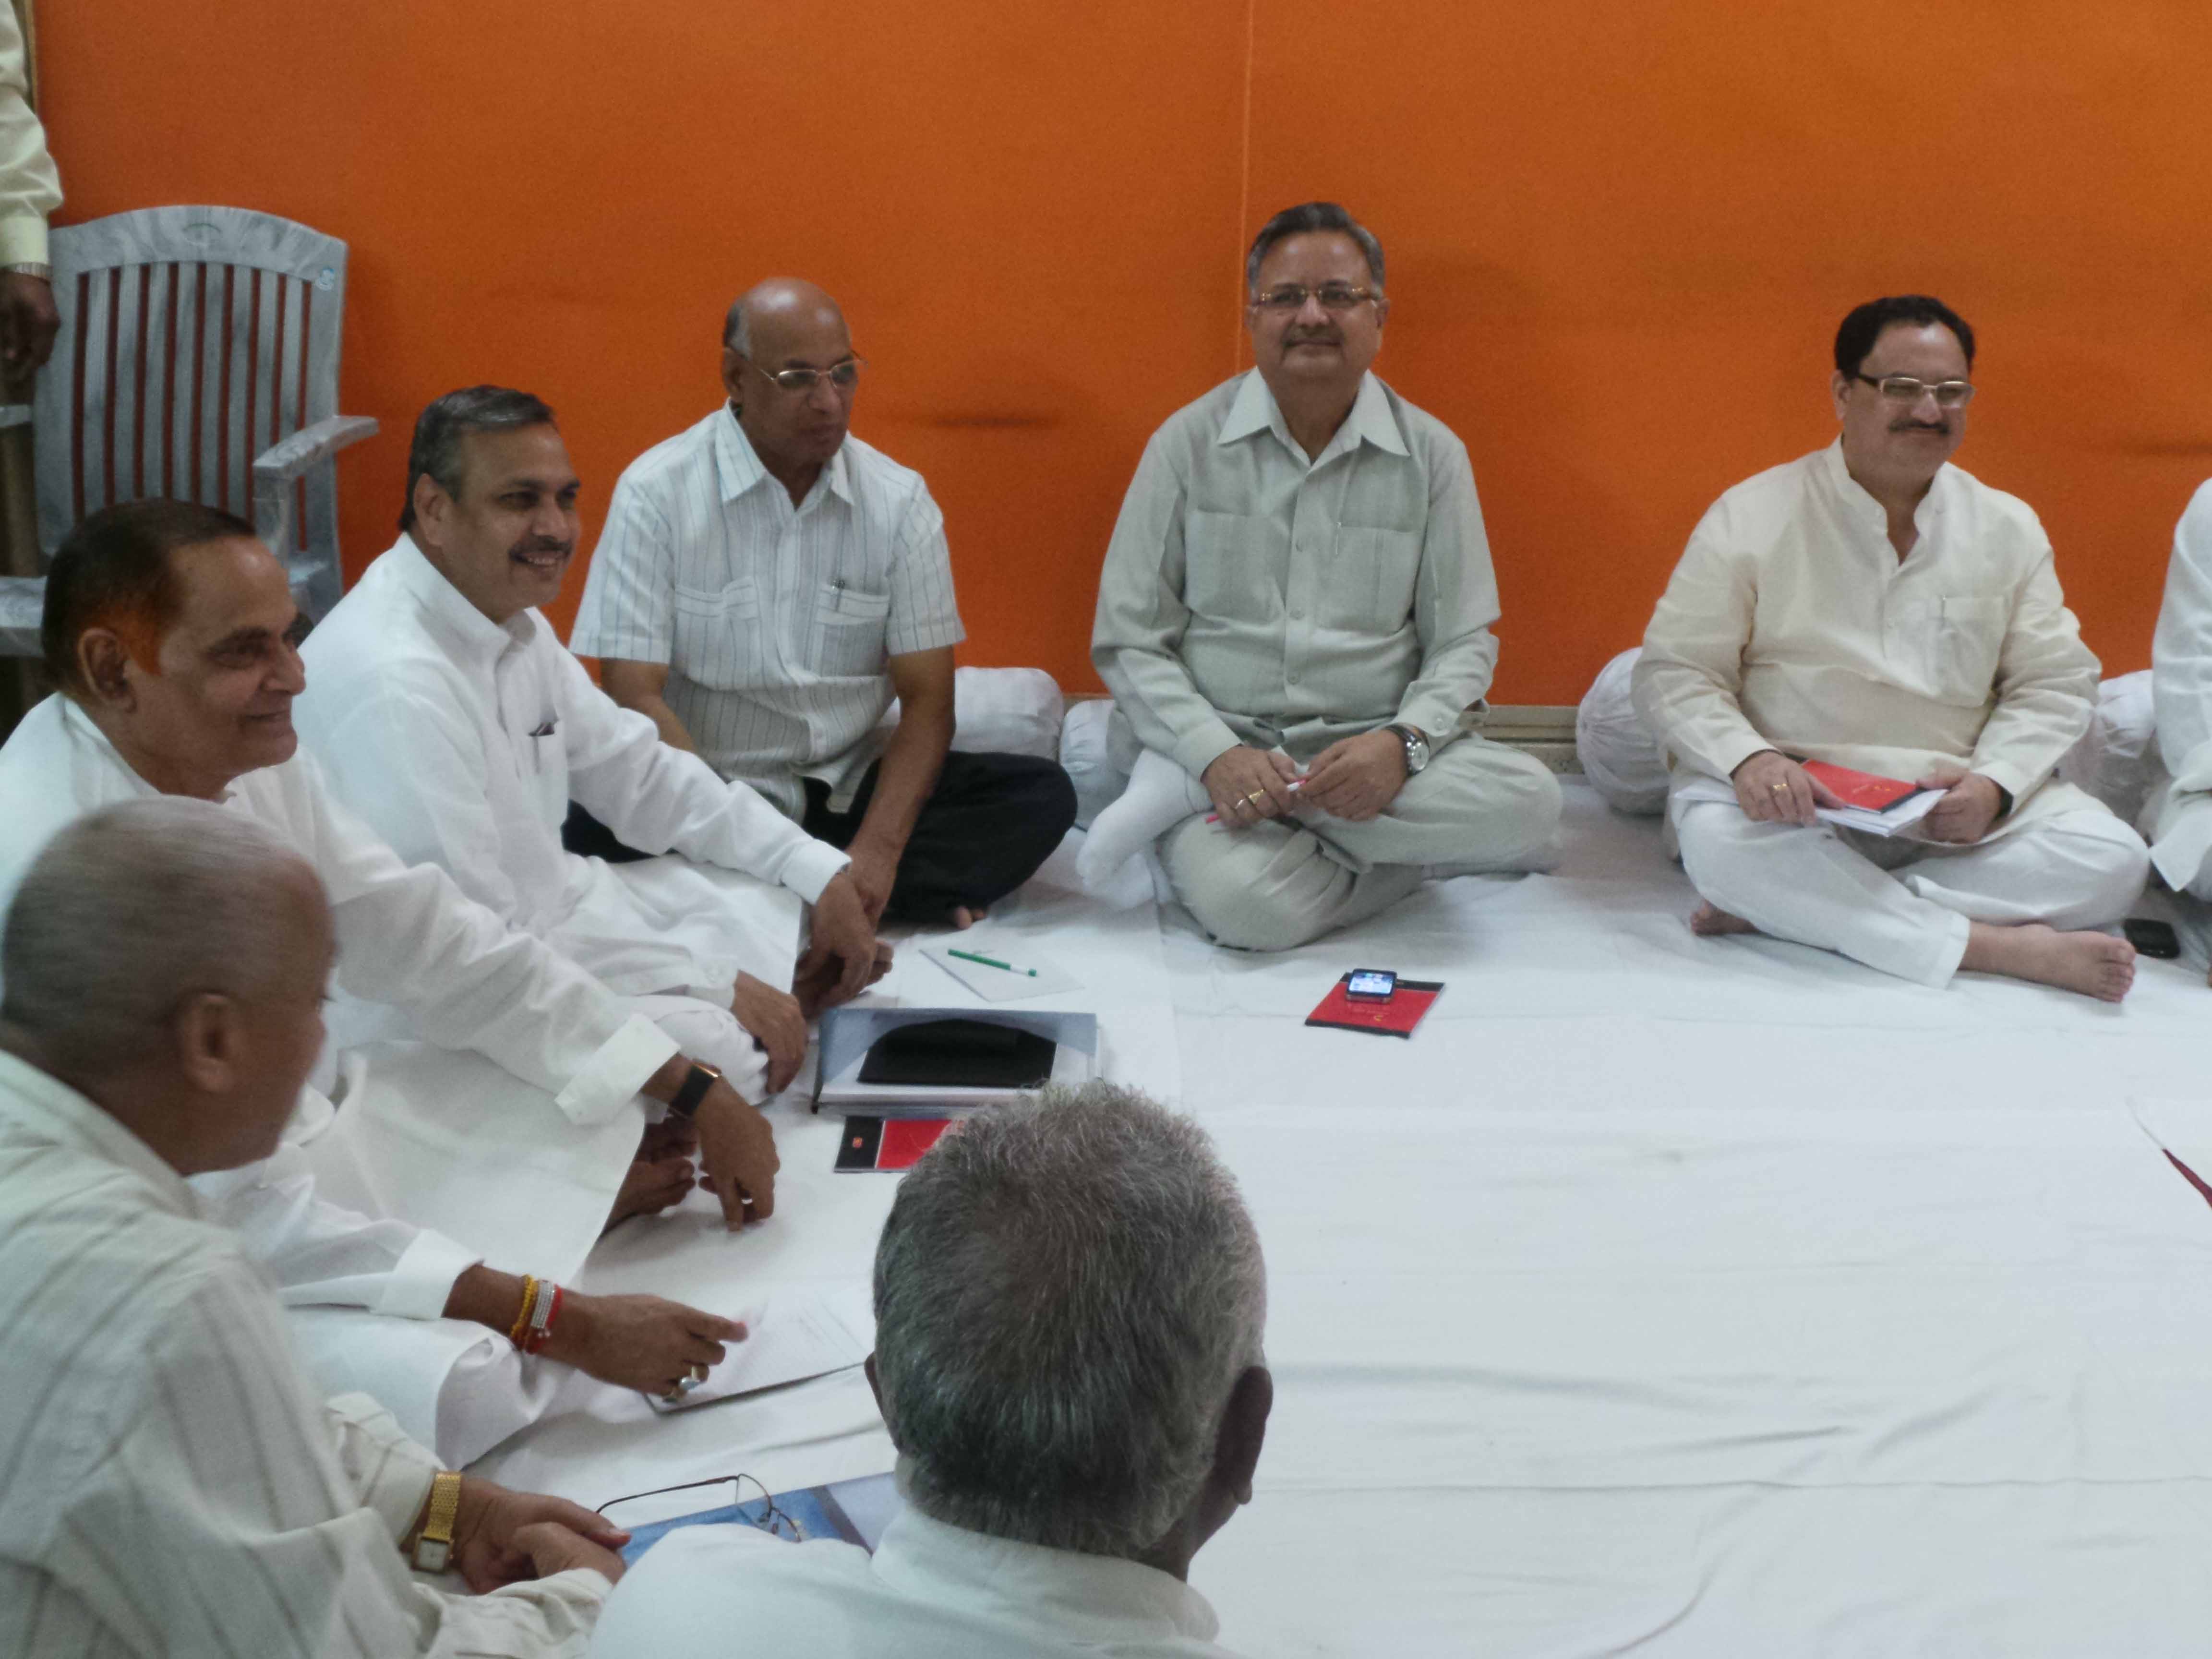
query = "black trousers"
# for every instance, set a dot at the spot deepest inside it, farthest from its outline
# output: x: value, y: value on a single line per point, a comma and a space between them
x: 985, y: 829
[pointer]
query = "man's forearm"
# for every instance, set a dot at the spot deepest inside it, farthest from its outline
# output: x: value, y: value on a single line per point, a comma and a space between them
x: 904, y: 780
x: 484, y: 1295
x: 673, y: 731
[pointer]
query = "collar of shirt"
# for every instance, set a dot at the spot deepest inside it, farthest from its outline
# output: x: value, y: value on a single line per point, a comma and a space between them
x: 1085, y: 1597
x: 1371, y: 420
x: 49, y: 1108
x: 738, y: 465
x: 1859, y: 502
x: 81, y: 728
x: 473, y: 636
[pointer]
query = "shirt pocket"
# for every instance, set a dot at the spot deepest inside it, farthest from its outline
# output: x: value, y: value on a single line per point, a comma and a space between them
x: 1370, y: 580
x: 718, y: 634
x: 1227, y: 575
x: 848, y: 629
x: 1957, y: 639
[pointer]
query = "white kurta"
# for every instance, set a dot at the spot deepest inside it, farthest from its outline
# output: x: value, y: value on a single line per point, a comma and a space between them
x: 517, y: 1149
x: 930, y: 1591
x: 174, y: 1485
x: 461, y: 741
x: 1791, y: 624
x: 2179, y: 818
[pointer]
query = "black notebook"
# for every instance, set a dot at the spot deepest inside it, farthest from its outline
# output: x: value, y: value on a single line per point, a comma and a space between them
x: 960, y: 1053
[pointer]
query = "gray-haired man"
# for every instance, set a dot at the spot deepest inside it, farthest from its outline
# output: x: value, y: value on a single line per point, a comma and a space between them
x: 1069, y: 1304
x: 175, y: 1485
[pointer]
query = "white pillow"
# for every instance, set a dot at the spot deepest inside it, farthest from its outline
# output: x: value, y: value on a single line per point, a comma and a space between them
x: 2117, y: 759
x: 1619, y: 757
x: 1002, y: 711
x: 1093, y: 757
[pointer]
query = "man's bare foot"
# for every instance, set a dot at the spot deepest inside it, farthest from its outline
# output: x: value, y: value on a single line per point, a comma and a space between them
x: 2095, y: 964
x: 1709, y: 922
x: 965, y: 916
x: 647, y: 1188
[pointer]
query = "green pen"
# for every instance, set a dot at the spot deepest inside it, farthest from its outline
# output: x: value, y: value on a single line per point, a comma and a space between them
x: 990, y: 961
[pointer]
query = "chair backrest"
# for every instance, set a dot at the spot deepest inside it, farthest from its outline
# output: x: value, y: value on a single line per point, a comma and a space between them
x: 192, y: 338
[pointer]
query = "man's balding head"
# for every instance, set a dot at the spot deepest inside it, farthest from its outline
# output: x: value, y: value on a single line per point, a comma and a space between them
x: 787, y: 326
x: 166, y: 959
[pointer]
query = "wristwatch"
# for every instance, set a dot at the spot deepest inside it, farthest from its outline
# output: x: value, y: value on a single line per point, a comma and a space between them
x: 1417, y: 746
x: 434, y: 1546
x: 701, y: 1077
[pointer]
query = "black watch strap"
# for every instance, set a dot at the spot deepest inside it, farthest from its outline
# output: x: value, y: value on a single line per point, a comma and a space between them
x: 697, y: 1081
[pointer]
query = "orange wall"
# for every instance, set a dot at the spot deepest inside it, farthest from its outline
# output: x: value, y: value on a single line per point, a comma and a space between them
x: 1620, y: 238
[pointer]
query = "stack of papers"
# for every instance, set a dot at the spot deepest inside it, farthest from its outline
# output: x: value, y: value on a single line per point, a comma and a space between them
x: 794, y: 1334
x: 1872, y: 805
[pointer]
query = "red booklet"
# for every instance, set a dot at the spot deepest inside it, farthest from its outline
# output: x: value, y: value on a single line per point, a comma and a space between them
x: 1396, y: 1017
x: 1869, y: 790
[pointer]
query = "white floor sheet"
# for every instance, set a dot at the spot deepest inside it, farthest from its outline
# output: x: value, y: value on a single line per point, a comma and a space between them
x: 1661, y: 1295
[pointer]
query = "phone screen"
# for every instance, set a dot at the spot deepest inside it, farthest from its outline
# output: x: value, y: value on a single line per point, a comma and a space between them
x: 1371, y: 984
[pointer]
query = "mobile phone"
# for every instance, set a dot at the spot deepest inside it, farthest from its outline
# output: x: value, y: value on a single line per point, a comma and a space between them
x: 1371, y: 985
x: 2151, y: 938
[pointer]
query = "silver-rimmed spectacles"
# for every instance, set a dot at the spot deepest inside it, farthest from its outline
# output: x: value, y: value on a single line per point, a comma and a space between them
x: 1905, y: 389
x: 1333, y: 296
x: 770, y: 1519
x: 844, y: 376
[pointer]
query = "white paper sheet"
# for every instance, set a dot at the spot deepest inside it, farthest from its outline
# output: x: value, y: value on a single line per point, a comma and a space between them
x: 793, y: 1336
x: 1026, y: 973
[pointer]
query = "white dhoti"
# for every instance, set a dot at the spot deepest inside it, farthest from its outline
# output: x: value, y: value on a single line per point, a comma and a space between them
x: 1904, y: 907
x: 1275, y: 884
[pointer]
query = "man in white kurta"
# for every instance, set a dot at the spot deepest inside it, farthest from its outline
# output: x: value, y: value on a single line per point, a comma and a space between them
x: 1295, y: 609
x: 508, y: 1126
x: 2179, y: 817
x: 174, y: 1486
x: 30, y: 189
x: 1873, y: 606
x: 446, y: 714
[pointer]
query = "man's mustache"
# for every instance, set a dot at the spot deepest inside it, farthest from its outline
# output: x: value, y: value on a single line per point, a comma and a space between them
x: 1919, y: 426
x: 543, y: 547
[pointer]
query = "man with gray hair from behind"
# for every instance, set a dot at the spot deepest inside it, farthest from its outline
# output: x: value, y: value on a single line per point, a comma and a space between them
x: 174, y: 1485
x: 1069, y: 1305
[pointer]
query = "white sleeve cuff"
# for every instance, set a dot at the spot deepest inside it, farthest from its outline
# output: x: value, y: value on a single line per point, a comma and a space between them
x: 623, y: 1065
x: 813, y: 867
x: 423, y: 1279
x: 23, y: 241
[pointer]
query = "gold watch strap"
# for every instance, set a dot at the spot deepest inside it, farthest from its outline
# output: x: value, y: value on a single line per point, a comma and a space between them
x: 434, y: 1545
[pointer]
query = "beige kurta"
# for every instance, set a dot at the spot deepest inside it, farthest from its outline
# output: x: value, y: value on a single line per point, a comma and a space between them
x: 1791, y: 624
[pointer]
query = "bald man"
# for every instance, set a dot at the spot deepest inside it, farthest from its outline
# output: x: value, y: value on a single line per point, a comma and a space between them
x: 766, y: 584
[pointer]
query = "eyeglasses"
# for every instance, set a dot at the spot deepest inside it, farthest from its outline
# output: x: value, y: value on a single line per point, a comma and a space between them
x: 770, y: 1519
x: 844, y: 376
x: 1333, y: 296
x: 1904, y: 389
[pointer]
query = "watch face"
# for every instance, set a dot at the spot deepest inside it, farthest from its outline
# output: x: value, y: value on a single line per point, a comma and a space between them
x: 431, y: 1555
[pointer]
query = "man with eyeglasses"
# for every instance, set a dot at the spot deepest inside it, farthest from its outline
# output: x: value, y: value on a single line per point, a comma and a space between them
x: 766, y: 584
x: 1872, y: 606
x: 1296, y: 611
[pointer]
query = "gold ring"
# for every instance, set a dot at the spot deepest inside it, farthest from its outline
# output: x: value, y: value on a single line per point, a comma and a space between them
x: 698, y: 1372
x: 1255, y: 797
x: 1779, y: 788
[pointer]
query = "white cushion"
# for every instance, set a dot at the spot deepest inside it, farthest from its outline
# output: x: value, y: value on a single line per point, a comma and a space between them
x: 1002, y: 711
x: 2117, y: 759
x: 1096, y: 752
x: 1619, y: 757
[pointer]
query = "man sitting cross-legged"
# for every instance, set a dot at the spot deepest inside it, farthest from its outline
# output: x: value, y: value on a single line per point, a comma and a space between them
x: 1295, y: 611
x: 1873, y: 606
x: 176, y: 1487
x: 171, y: 629
x: 446, y: 714
x: 1069, y: 1305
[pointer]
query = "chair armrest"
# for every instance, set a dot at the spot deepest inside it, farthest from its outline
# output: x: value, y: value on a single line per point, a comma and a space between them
x: 22, y: 599
x: 309, y: 447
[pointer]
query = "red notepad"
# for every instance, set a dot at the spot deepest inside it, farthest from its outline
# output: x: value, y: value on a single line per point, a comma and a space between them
x: 1397, y: 1017
x: 1866, y: 789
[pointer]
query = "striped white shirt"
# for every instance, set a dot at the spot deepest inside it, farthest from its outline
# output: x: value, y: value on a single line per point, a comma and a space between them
x: 776, y: 622
x: 174, y: 1486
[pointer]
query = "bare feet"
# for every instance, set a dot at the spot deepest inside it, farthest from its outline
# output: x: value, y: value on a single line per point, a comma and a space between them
x: 1708, y: 922
x: 2095, y: 964
x: 650, y: 1187
x: 965, y: 916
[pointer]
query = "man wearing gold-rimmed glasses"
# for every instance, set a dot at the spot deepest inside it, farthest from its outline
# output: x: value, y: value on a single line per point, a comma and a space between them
x: 1871, y: 606
x: 1296, y: 611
